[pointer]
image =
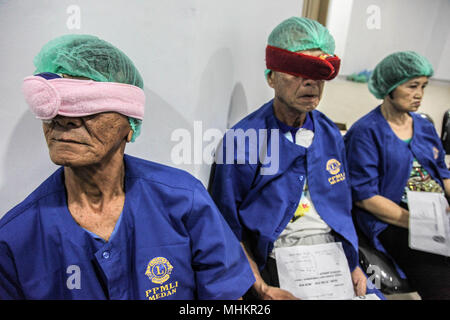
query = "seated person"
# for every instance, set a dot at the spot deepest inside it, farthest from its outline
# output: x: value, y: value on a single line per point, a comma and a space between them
x: 305, y: 198
x: 107, y: 225
x: 391, y: 150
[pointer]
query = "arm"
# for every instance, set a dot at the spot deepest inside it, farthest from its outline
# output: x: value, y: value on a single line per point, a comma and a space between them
x: 385, y: 210
x: 359, y: 282
x: 220, y: 265
x: 9, y: 283
x: 442, y: 167
x: 230, y: 186
x: 363, y: 162
x: 262, y: 289
x: 447, y: 191
x: 447, y: 187
x: 359, y: 279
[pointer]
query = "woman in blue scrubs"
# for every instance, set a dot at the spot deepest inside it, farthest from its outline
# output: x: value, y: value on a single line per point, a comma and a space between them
x: 391, y: 150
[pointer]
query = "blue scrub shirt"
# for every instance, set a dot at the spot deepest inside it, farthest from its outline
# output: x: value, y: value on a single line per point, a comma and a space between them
x: 380, y: 164
x: 170, y: 242
x: 260, y: 206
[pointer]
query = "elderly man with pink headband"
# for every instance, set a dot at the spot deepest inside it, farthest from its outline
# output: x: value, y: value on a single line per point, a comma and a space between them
x: 107, y: 225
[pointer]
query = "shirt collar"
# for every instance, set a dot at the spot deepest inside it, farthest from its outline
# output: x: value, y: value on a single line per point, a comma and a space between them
x: 307, y: 124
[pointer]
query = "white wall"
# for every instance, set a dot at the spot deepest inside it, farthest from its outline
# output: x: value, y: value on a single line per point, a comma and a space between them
x: 419, y: 25
x: 200, y: 60
x: 338, y: 23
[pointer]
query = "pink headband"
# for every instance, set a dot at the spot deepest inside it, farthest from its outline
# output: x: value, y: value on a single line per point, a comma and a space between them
x: 78, y: 98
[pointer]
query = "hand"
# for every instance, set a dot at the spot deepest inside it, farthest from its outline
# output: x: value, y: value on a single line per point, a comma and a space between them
x: 359, y: 282
x: 273, y: 293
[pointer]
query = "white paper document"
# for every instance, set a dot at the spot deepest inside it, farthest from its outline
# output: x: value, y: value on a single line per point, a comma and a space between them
x: 370, y: 296
x: 315, y: 272
x: 429, y: 222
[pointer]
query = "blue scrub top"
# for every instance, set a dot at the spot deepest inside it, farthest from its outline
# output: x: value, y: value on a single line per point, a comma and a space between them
x: 169, y: 243
x: 380, y: 163
x: 258, y: 207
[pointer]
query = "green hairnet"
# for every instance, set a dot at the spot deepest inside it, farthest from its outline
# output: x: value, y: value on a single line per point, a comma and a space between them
x: 395, y: 69
x: 90, y: 57
x: 136, y: 125
x: 298, y: 34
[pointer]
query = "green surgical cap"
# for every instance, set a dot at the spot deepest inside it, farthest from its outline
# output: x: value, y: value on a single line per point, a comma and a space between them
x: 395, y: 69
x: 90, y: 57
x: 298, y: 34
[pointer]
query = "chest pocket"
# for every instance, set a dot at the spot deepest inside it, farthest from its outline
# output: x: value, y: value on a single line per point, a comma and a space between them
x: 74, y: 281
x: 165, y: 272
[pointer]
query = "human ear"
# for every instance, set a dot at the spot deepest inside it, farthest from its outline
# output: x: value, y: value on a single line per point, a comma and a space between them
x: 130, y: 135
x: 270, y: 79
x: 391, y: 94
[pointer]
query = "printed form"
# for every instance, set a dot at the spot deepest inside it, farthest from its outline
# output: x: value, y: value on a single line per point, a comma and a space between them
x: 429, y: 222
x: 316, y: 272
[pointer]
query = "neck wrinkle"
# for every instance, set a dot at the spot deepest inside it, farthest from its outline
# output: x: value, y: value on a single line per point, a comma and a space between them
x: 95, y: 184
x: 289, y: 116
x: 391, y: 115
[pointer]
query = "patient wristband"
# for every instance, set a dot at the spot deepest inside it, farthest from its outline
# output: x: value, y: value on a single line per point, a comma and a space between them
x: 302, y: 65
x: 48, y: 97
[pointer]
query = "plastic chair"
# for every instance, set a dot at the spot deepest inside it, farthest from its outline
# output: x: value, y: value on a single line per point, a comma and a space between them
x: 379, y: 268
x: 445, y: 133
x: 426, y: 116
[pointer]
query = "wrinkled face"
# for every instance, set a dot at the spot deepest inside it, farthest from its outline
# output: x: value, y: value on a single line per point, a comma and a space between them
x: 83, y: 141
x: 407, y: 97
x: 88, y: 140
x: 297, y: 93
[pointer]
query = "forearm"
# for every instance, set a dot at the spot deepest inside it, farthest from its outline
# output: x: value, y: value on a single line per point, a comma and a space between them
x: 447, y: 187
x: 260, y: 285
x: 386, y: 210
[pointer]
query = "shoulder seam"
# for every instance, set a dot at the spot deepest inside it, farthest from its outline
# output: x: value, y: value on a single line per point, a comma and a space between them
x: 162, y: 183
x: 26, y: 208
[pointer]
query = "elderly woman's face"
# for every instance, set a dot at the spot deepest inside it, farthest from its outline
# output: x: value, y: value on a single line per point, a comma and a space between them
x: 86, y: 140
x: 407, y: 97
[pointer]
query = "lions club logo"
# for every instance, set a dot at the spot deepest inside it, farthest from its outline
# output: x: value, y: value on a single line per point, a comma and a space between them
x: 333, y: 166
x: 158, y: 270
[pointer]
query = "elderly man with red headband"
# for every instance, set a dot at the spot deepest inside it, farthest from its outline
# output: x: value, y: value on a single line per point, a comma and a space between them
x: 107, y: 225
x: 307, y: 201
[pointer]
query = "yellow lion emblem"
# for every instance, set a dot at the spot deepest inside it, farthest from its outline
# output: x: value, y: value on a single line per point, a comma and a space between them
x: 159, y: 270
x: 333, y: 166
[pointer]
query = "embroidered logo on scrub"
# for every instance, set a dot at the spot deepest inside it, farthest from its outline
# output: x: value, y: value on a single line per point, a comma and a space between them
x: 158, y: 271
x: 334, y: 168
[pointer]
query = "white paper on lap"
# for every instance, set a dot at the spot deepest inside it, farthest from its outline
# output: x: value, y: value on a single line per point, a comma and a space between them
x: 315, y: 272
x: 370, y: 296
x: 429, y: 223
